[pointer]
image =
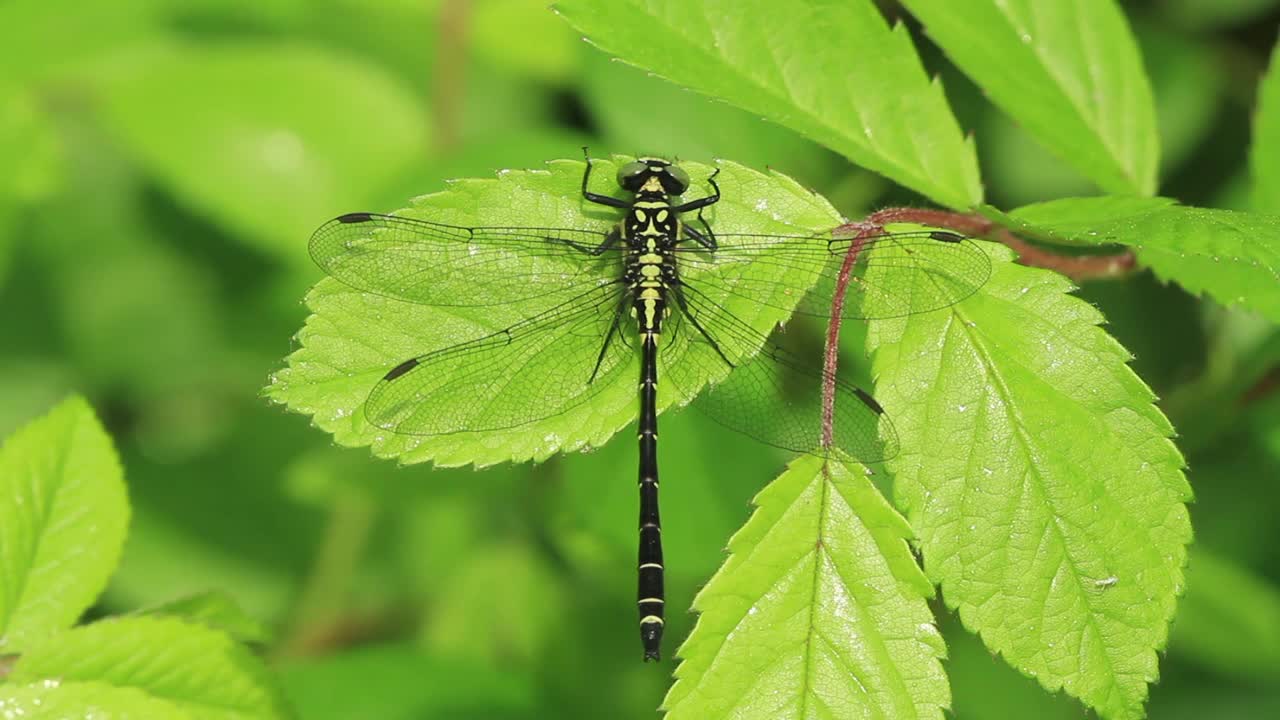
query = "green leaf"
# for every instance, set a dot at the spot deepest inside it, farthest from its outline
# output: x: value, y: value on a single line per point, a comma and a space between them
x: 1041, y: 481
x: 56, y: 700
x: 779, y: 60
x: 1232, y: 256
x: 470, y: 620
x: 820, y: 611
x: 1067, y: 71
x: 202, y: 671
x: 63, y: 517
x: 522, y: 37
x: 353, y: 338
x: 218, y: 610
x: 401, y: 683
x: 1264, y: 155
x: 41, y: 42
x: 1229, y: 620
x: 260, y: 137
x: 708, y: 128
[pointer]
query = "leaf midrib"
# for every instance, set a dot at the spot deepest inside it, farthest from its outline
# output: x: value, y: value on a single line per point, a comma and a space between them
x: 1112, y: 155
x: 46, y: 511
x: 997, y: 381
x: 804, y: 112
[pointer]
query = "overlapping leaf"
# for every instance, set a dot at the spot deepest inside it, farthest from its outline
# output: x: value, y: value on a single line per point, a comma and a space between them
x: 64, y: 510
x: 1069, y: 71
x: 201, y: 671
x: 1232, y: 256
x: 831, y: 70
x: 820, y: 611
x: 57, y: 700
x: 1041, y: 481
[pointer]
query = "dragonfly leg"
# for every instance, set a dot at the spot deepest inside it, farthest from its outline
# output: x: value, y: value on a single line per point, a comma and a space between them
x: 618, y: 315
x: 705, y: 237
x: 684, y: 308
x: 702, y: 202
x: 596, y: 197
x: 594, y: 250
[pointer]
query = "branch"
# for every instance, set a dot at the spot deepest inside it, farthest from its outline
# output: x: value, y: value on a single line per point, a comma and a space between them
x: 831, y: 349
x: 1078, y: 268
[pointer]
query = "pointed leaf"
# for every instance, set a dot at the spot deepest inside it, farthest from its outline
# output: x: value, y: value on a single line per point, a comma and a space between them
x: 820, y: 611
x: 63, y: 515
x: 1231, y: 256
x: 217, y: 610
x: 1041, y: 481
x: 202, y: 671
x: 57, y: 700
x: 833, y: 71
x: 1068, y: 71
x: 354, y: 338
x: 1264, y: 155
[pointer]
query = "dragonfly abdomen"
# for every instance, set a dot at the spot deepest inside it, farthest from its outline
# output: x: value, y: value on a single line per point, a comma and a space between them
x: 650, y: 594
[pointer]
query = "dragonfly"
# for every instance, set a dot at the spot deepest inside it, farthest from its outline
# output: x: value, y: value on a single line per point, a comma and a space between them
x: 658, y: 284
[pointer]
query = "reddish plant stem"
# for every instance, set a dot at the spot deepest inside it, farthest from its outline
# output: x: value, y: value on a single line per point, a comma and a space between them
x: 972, y: 225
x: 831, y: 350
x: 1078, y: 268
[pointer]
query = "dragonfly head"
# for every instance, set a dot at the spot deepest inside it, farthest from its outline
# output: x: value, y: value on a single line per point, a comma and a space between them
x: 640, y: 172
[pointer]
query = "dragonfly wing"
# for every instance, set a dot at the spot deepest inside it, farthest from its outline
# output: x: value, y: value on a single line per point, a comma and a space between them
x: 448, y: 265
x: 896, y: 274
x: 769, y: 393
x: 534, y: 369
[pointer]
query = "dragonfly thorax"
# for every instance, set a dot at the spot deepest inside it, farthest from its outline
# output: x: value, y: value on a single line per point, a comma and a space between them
x: 650, y: 229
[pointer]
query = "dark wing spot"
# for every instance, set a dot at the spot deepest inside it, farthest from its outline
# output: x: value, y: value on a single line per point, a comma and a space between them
x: 401, y: 369
x: 946, y: 236
x: 870, y: 401
x: 356, y: 217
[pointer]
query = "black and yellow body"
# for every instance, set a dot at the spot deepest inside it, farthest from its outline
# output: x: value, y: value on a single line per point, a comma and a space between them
x: 651, y: 229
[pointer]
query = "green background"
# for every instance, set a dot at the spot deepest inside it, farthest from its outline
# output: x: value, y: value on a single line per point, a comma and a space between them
x: 163, y: 164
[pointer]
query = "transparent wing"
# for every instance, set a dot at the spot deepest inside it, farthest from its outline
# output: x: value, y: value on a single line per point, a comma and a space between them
x: 449, y: 265
x: 898, y: 273
x: 534, y: 369
x: 772, y: 395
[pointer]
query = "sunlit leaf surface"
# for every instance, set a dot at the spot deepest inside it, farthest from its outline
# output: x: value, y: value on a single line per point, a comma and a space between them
x: 781, y: 61
x: 1042, y: 483
x: 820, y: 611
x: 64, y: 511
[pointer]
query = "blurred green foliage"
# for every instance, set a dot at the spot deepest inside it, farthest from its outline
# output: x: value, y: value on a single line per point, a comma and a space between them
x: 164, y: 163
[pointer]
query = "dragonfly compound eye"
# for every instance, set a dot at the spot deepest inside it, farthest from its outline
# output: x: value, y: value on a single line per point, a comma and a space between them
x: 631, y: 175
x: 677, y: 180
